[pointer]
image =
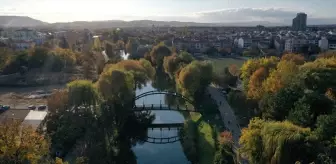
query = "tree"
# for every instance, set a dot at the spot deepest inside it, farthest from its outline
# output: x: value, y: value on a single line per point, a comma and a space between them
x: 173, y: 63
x: 274, y: 142
x: 194, y: 78
x: 97, y: 46
x: 255, y: 90
x: 189, y: 140
x: 285, y: 74
x: 21, y: 144
x: 116, y: 84
x: 277, y: 106
x: 326, y: 127
x: 250, y: 66
x: 121, y: 44
x: 38, y: 57
x: 296, y: 58
x: 132, y: 46
x: 308, y: 108
x: 141, y: 70
x: 225, y: 78
x: 225, y: 153
x: 82, y: 93
x: 158, y: 53
x: 234, y: 70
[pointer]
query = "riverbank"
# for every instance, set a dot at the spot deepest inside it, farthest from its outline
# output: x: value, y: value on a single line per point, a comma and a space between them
x: 208, y: 124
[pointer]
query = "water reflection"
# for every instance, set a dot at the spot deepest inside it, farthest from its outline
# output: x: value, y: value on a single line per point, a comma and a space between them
x: 148, y: 153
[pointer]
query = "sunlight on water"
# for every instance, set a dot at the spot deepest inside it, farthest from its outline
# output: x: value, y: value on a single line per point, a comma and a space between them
x: 124, y: 55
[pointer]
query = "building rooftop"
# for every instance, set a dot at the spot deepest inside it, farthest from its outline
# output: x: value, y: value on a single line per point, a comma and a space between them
x: 28, y: 117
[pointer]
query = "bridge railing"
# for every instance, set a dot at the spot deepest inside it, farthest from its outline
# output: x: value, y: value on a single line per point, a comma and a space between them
x: 149, y: 107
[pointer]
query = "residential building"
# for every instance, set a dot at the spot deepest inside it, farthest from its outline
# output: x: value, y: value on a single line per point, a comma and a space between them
x: 300, y: 22
x: 294, y: 44
x: 244, y: 42
x: 22, y: 45
x: 323, y: 44
x: 332, y: 44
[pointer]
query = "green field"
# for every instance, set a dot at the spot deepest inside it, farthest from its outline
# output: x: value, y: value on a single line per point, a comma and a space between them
x: 220, y: 63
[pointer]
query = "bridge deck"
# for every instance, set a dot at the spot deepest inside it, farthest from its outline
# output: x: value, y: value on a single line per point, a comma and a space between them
x: 166, y: 125
x: 150, y: 107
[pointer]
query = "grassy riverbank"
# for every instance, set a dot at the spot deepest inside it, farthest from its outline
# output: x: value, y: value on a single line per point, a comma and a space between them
x: 206, y: 143
x: 207, y: 123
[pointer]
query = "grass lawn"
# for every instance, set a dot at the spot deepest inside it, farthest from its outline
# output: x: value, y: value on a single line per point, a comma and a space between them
x: 220, y: 63
x: 206, y: 144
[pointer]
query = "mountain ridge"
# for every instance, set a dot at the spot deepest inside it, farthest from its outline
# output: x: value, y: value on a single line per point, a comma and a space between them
x: 25, y: 21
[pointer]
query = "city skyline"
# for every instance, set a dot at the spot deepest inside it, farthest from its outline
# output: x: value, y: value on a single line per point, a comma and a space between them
x: 212, y: 11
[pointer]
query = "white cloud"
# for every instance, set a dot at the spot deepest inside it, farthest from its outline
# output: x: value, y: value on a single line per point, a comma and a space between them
x: 246, y: 14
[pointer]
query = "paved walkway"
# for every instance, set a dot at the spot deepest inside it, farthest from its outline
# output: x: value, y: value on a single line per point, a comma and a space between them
x: 227, y: 113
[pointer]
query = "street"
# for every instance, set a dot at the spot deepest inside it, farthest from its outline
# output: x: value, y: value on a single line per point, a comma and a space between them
x: 227, y: 113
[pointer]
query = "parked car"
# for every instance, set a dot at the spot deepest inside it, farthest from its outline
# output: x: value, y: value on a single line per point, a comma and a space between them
x: 32, y: 107
x: 4, y: 107
x: 41, y: 107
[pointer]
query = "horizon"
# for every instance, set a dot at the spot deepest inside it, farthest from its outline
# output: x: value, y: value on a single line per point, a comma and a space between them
x: 212, y: 11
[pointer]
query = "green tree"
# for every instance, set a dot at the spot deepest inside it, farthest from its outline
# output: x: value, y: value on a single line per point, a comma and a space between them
x: 308, y: 108
x: 132, y: 46
x: 116, y: 84
x: 277, y: 106
x: 82, y: 93
x: 326, y: 127
x: 38, y: 57
x: 266, y: 142
x: 158, y: 53
x: 225, y: 153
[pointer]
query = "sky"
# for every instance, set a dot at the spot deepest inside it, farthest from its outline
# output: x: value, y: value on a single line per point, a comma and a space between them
x: 207, y: 11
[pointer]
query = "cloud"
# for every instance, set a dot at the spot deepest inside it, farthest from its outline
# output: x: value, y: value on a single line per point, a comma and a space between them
x: 246, y: 14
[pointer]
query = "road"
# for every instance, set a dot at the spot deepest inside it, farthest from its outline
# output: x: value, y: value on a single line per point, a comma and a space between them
x: 227, y: 113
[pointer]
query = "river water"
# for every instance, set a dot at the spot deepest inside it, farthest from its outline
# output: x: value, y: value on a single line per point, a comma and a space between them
x: 149, y: 153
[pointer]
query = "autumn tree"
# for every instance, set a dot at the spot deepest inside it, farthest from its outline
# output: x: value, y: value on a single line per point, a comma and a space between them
x: 234, y: 70
x: 21, y: 144
x: 285, y: 74
x: 250, y: 66
x: 225, y: 153
x: 173, y: 63
x: 296, y: 58
x: 97, y: 46
x: 193, y: 79
x: 255, y: 90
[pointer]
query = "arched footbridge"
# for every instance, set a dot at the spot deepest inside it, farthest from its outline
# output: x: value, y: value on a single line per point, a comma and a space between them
x: 160, y: 107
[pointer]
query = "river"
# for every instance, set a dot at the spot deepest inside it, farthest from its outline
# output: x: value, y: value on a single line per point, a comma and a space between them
x: 149, y: 153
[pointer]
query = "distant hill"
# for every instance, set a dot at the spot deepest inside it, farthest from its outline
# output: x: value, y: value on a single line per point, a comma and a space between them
x: 23, y: 21
x: 123, y: 24
x: 20, y: 21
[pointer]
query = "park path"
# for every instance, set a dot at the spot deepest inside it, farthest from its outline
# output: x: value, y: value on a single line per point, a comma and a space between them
x: 227, y: 113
